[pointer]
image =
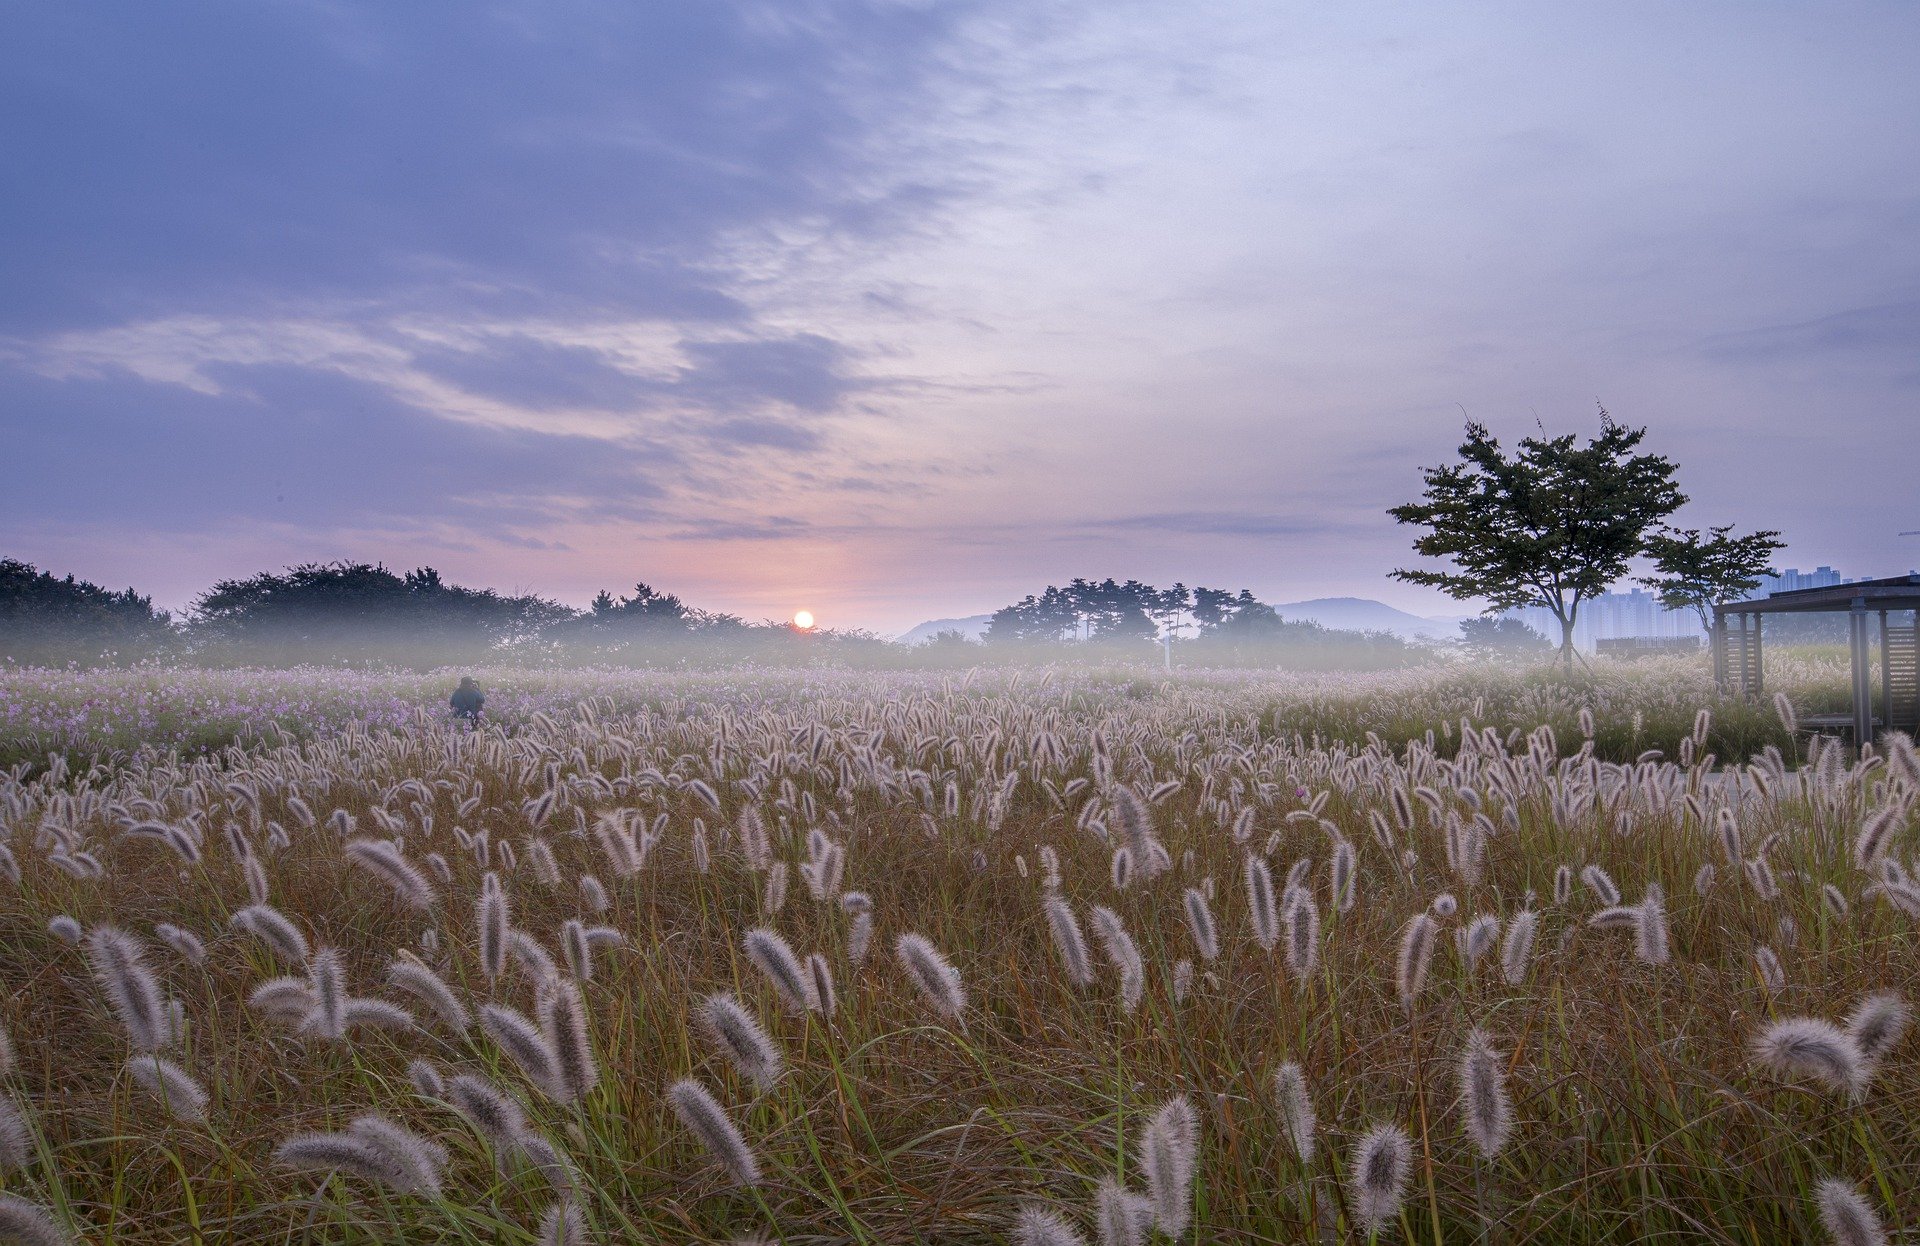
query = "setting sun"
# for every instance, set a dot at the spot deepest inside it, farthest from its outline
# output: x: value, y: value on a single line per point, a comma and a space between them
x: 803, y: 619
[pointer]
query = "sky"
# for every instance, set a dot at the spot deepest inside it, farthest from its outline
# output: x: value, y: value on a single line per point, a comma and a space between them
x: 895, y: 309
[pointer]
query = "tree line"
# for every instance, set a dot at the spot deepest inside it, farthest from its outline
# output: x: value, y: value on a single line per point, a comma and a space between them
x: 1209, y: 626
x: 349, y: 613
x: 354, y: 613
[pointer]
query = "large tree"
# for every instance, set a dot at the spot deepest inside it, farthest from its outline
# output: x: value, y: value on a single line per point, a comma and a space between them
x: 1697, y: 571
x: 1552, y: 524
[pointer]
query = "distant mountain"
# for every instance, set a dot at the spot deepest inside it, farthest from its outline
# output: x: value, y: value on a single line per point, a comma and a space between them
x: 1363, y: 614
x: 972, y: 627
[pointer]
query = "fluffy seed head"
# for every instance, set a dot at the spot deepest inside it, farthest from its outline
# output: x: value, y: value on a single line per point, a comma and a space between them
x: 1878, y: 1024
x: 327, y: 979
x: 1068, y: 940
x: 1344, y: 877
x: 1601, y: 884
x: 1478, y: 938
x: 938, y: 981
x: 1416, y: 955
x: 420, y: 1158
x: 1169, y: 1151
x: 527, y: 1047
x: 130, y: 987
x: 426, y: 1080
x: 820, y: 979
x: 1301, y: 922
x: 490, y: 915
x: 272, y: 927
x: 1483, y: 1095
x: 1650, y: 941
x: 495, y: 1114
x: 166, y: 1081
x: 1847, y: 1217
x: 28, y: 1224
x: 288, y: 1001
x: 563, y: 1225
x: 185, y: 943
x: 1377, y: 1175
x: 1200, y: 924
x: 1035, y: 1226
x: 1123, y: 954
x: 774, y: 957
x: 381, y: 858
x: 740, y: 1039
x: 1516, y: 950
x: 1809, y: 1047
x: 704, y: 1117
x: 16, y: 1137
x: 1134, y: 824
x: 1121, y: 1217
x: 859, y: 937
x: 563, y: 1022
x: 346, y: 1153
x: 1727, y: 831
x: 1876, y: 833
x: 576, y: 949
x: 1296, y: 1108
x: 409, y: 975
x: 1260, y: 906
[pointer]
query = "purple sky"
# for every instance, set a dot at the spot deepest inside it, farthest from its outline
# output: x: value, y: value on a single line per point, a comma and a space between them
x: 897, y: 310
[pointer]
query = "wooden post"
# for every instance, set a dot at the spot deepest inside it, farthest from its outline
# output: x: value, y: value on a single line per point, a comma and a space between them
x: 1719, y: 642
x: 1862, y: 675
x: 1886, y: 673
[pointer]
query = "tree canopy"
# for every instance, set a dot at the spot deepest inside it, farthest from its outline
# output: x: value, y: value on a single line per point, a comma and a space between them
x: 1697, y: 571
x: 1552, y: 524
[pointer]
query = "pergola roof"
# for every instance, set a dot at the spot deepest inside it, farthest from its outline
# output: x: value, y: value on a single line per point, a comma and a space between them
x: 1899, y: 592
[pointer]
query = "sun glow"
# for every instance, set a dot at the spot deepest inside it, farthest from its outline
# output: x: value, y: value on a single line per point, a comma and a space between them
x: 803, y: 619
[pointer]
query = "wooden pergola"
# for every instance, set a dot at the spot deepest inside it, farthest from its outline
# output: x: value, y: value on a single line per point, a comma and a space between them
x: 1737, y: 629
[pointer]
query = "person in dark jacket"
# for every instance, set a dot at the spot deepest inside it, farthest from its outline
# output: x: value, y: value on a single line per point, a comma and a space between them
x: 467, y: 700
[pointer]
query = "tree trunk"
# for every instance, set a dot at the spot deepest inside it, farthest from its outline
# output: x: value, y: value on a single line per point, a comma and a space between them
x: 1566, y: 643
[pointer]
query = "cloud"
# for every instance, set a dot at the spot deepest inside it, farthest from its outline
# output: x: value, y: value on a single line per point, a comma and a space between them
x: 539, y: 376
x: 291, y: 445
x: 1220, y: 523
x: 563, y: 158
x: 1888, y: 331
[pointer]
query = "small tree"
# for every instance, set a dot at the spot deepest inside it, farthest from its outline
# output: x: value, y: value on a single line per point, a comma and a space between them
x: 1697, y: 572
x: 1502, y: 638
x: 1551, y: 525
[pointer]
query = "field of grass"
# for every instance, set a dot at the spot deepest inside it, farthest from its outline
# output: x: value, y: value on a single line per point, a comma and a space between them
x: 818, y: 956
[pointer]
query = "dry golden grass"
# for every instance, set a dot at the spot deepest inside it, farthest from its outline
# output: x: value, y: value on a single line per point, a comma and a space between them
x: 1638, y: 1110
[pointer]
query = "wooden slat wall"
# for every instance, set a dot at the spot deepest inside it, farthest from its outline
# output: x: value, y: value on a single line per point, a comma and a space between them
x: 1903, y: 669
